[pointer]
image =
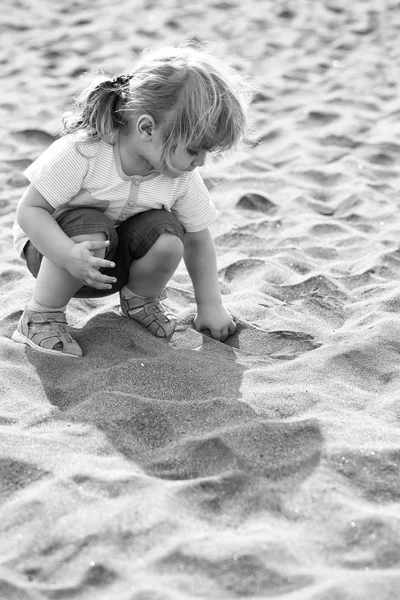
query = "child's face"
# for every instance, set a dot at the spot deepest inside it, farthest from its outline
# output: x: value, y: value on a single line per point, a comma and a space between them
x: 180, y: 162
x: 143, y: 144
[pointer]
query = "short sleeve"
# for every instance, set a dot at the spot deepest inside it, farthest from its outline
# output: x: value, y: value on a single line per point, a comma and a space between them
x: 194, y: 208
x: 59, y: 172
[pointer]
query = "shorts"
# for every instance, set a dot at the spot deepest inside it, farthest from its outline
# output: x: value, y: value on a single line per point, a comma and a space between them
x: 128, y: 242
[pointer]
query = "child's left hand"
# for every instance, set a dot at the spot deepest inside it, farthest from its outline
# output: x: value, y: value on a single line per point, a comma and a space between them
x: 216, y: 319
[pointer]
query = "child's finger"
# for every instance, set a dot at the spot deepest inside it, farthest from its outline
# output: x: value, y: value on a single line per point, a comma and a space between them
x: 97, y: 276
x: 98, y: 285
x: 231, y: 328
x: 224, y: 334
x: 215, y: 333
x: 102, y: 263
x: 97, y: 245
x: 98, y: 280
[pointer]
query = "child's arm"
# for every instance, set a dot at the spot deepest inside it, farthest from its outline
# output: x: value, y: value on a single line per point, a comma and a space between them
x: 34, y: 215
x: 201, y: 263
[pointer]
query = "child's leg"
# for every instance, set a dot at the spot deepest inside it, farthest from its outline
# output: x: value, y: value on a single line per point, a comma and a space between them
x: 55, y: 286
x: 43, y: 325
x: 150, y: 248
x: 149, y: 275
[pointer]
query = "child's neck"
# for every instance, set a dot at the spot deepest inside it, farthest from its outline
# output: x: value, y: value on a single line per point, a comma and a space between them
x: 131, y: 162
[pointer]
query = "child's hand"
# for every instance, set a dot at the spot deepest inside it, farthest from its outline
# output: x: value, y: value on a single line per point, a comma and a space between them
x: 216, y: 319
x: 83, y: 265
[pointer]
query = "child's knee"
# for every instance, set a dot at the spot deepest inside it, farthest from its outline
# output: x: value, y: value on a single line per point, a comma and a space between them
x: 169, y: 246
x: 98, y: 236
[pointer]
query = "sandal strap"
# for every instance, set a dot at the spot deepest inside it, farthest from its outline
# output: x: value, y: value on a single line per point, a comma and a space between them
x: 46, y: 317
x: 154, y: 309
x: 150, y: 314
x: 55, y: 331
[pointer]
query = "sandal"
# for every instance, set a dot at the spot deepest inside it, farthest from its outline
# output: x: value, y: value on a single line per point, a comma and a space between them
x: 47, y: 332
x: 150, y: 313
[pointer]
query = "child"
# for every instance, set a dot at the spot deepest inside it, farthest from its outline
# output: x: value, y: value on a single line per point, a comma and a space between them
x: 115, y: 203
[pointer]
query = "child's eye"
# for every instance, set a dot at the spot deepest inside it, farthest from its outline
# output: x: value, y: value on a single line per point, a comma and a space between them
x: 192, y: 152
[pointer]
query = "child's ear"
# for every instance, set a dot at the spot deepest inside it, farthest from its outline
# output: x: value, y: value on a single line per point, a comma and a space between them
x: 145, y: 126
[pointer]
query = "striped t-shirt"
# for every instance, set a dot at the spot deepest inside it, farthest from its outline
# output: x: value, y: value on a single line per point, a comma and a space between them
x: 75, y: 174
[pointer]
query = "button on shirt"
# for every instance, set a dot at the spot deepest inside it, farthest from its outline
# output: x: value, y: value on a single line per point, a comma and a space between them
x: 73, y: 173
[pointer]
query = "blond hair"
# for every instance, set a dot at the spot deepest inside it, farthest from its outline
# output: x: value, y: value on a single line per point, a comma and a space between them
x: 196, y: 99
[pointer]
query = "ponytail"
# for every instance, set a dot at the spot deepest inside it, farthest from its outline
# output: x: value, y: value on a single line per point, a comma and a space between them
x: 98, y: 110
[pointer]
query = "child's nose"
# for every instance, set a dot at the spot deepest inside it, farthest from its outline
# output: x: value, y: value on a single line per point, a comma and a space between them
x: 200, y: 158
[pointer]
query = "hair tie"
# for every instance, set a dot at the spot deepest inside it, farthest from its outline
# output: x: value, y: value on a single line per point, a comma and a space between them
x: 114, y: 85
x: 122, y: 80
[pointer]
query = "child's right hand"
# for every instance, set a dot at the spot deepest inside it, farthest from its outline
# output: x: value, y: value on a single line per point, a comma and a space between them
x: 84, y: 265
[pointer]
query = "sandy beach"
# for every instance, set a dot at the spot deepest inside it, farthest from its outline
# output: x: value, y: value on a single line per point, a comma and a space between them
x: 265, y: 467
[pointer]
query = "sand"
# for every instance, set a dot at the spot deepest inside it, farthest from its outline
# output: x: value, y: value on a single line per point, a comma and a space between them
x: 266, y: 467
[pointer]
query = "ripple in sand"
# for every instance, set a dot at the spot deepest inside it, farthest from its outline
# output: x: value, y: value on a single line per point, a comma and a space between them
x: 16, y: 475
x: 347, y: 205
x: 250, y: 237
x: 338, y: 140
x: 316, y: 286
x: 375, y: 473
x: 17, y: 180
x: 34, y: 136
x: 243, y: 269
x: 318, y: 296
x: 328, y: 229
x: 392, y: 260
x: 241, y: 239
x: 218, y: 495
x: 322, y: 253
x: 322, y: 117
x: 11, y: 275
x: 269, y: 134
x: 98, y: 575
x: 321, y: 177
x: 367, y: 278
x: 257, y: 202
x: 243, y: 573
x: 281, y: 345
x: 264, y: 449
x: 19, y: 164
x: 392, y: 304
x: 370, y: 542
x: 381, y: 158
x: 320, y: 208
